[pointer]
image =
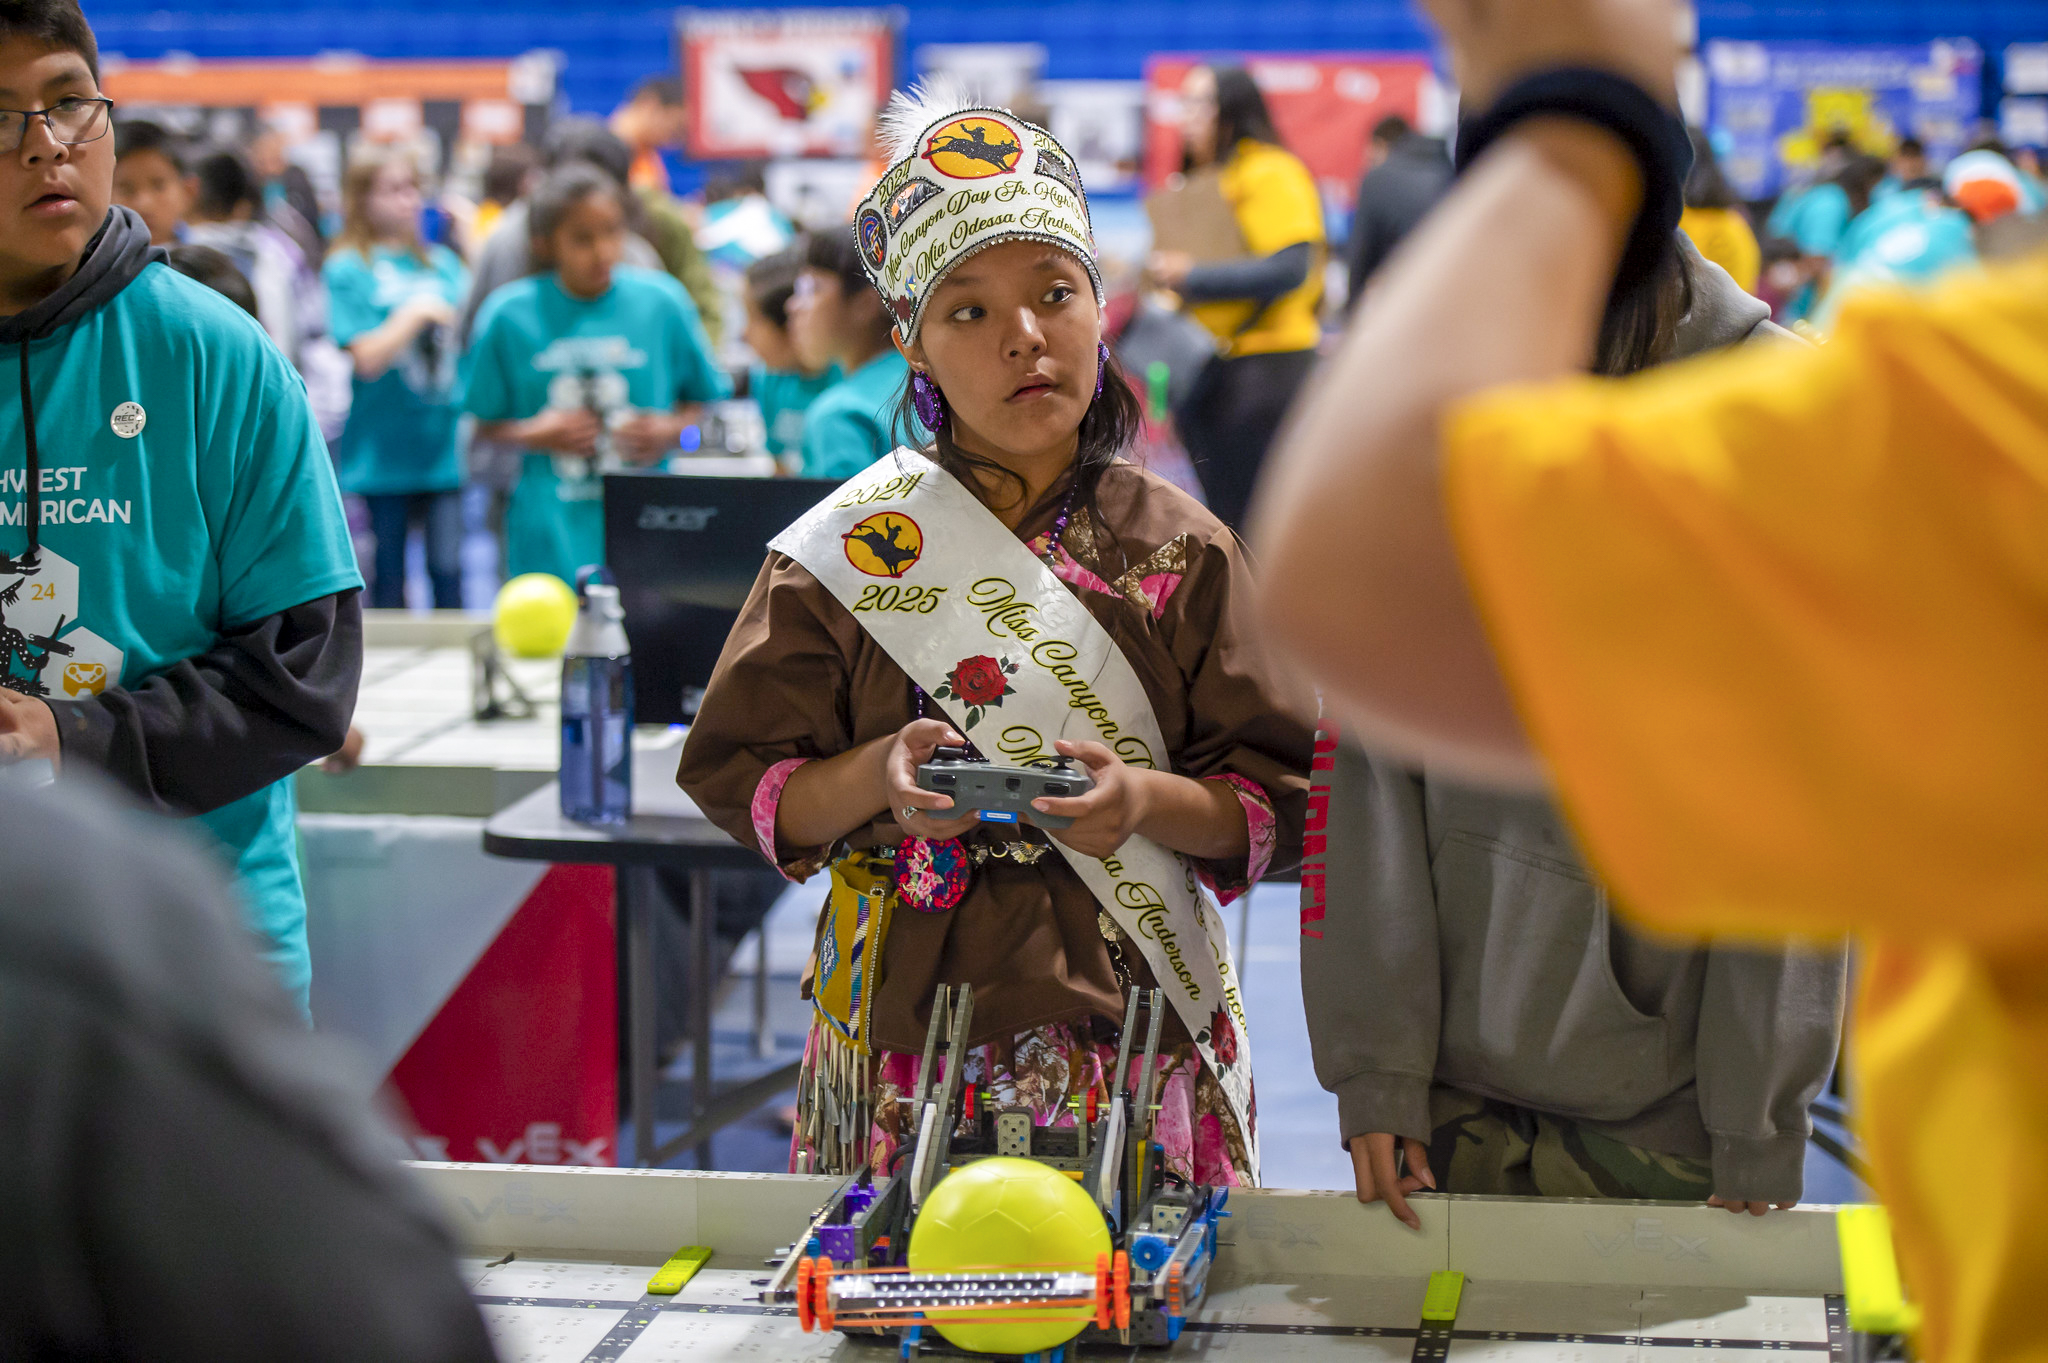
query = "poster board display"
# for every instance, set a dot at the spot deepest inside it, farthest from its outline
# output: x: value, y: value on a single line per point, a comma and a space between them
x: 1324, y: 107
x: 1102, y: 122
x: 794, y: 82
x: 1773, y: 106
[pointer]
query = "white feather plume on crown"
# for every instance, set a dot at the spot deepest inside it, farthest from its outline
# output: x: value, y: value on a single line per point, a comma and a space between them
x: 911, y: 112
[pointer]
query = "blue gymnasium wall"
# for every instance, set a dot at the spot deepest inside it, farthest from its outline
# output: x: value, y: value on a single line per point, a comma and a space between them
x: 608, y: 49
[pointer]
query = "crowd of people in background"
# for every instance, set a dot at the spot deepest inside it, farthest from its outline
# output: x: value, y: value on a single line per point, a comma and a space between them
x: 477, y: 359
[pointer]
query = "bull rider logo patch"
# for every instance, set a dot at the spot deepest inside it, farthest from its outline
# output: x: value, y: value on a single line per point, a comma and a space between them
x: 973, y: 147
x: 886, y: 544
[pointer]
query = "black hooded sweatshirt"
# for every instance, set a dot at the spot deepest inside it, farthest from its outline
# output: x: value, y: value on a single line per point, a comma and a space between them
x: 266, y: 699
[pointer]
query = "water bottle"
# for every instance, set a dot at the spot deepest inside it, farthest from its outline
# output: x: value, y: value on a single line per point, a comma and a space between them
x: 597, y: 707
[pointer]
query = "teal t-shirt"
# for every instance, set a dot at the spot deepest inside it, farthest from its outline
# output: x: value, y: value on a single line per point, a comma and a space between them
x: 1820, y: 219
x: 853, y: 423
x: 185, y: 490
x: 784, y: 396
x: 400, y: 435
x: 1908, y: 237
x: 638, y: 346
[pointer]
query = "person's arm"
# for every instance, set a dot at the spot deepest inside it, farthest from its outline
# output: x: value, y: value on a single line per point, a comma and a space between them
x: 562, y: 430
x: 1260, y: 279
x: 1371, y: 980
x: 651, y: 435
x: 1504, y: 284
x: 773, y: 757
x: 1201, y: 819
x: 489, y: 396
x: 1770, y: 614
x: 265, y: 700
x: 376, y: 350
x: 1770, y: 1026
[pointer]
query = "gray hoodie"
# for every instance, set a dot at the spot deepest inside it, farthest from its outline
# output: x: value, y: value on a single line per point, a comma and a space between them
x: 1453, y: 937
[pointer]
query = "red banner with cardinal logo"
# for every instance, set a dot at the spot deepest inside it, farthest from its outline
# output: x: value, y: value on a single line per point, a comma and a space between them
x: 797, y: 82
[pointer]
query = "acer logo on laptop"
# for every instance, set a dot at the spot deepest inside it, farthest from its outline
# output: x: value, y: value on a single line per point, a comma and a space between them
x: 676, y: 517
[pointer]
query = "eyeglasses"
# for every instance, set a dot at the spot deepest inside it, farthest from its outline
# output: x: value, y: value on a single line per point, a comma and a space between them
x: 72, y: 121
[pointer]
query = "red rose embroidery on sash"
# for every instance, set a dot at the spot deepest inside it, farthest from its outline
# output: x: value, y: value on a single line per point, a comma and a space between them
x: 977, y: 683
x: 1221, y: 1035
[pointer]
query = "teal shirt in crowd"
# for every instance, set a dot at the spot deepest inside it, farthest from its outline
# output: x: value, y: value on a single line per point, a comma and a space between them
x: 400, y: 435
x: 185, y: 491
x: 853, y: 423
x: 1908, y: 237
x: 640, y: 345
x: 1815, y: 218
x: 784, y: 396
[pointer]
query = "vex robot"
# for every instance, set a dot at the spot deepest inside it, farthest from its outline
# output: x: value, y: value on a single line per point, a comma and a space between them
x: 849, y: 1271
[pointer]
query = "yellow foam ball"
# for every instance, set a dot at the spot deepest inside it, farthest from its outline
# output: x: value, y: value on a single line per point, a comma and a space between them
x: 1010, y: 1213
x: 533, y: 614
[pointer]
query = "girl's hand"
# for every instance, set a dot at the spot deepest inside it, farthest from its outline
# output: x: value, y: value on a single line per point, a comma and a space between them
x: 649, y: 437
x: 1107, y: 816
x: 564, y: 430
x: 426, y: 309
x: 1372, y: 1168
x: 1169, y: 269
x: 913, y: 746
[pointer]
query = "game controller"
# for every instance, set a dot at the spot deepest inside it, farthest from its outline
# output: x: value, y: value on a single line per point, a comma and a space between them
x: 1002, y: 794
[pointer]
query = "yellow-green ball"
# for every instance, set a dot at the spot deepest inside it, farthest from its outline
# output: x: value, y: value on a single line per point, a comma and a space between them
x: 1010, y: 1213
x: 533, y: 615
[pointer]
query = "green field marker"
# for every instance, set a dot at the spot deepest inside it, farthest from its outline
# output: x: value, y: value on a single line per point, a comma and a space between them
x: 1870, y: 1273
x: 680, y: 1268
x: 1440, y: 1302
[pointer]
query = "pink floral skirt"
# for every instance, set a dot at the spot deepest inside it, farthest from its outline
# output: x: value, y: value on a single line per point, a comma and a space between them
x: 1041, y: 1069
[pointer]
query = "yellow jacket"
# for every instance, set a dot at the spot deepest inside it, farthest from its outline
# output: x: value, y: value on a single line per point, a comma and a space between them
x: 1277, y: 206
x: 1778, y: 620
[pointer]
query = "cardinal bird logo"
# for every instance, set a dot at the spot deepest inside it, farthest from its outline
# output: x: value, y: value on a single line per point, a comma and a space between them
x: 794, y: 93
x: 973, y: 148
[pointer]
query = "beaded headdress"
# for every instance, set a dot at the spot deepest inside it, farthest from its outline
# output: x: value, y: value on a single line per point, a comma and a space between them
x: 963, y: 177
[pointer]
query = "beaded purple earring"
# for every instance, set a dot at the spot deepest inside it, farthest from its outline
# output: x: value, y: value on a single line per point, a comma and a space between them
x: 1101, y: 365
x: 924, y: 397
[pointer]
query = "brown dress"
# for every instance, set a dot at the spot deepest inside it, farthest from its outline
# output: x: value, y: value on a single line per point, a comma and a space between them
x: 800, y: 679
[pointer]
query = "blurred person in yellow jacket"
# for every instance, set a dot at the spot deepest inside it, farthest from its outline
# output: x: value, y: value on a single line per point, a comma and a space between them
x: 1262, y: 309
x: 1714, y: 219
x: 1773, y: 625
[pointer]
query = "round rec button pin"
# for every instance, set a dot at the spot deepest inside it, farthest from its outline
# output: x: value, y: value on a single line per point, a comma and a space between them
x: 128, y: 420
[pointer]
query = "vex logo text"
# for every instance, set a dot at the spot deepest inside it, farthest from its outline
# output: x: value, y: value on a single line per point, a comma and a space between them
x: 540, y: 1143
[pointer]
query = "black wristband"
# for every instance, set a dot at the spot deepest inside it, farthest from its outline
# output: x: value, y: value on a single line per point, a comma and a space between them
x: 1651, y: 132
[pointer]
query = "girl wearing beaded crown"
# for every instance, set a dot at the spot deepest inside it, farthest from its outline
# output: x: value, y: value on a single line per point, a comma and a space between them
x: 1016, y: 587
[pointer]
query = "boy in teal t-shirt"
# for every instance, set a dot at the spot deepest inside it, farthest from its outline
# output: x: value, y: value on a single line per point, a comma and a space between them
x: 178, y: 599
x: 853, y: 423
x: 591, y: 365
x: 837, y: 317
x: 779, y: 385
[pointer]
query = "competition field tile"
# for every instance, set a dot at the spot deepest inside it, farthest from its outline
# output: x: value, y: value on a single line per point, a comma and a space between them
x: 524, y: 1333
